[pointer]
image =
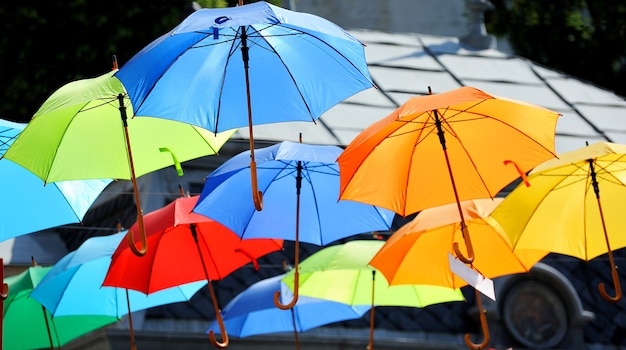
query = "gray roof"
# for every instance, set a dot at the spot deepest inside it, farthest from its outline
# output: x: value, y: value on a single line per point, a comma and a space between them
x: 404, y: 65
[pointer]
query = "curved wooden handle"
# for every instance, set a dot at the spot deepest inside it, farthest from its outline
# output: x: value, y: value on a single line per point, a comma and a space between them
x: 257, y: 195
x: 5, y: 291
x: 468, y: 243
x: 143, y: 249
x: 616, y: 284
x: 483, y: 324
x: 218, y: 316
x: 296, y: 283
x: 224, y: 343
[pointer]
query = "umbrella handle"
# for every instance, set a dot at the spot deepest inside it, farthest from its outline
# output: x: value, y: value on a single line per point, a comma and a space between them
x: 296, y: 283
x: 483, y: 323
x: 468, y: 243
x: 616, y: 284
x: 257, y: 195
x: 144, y: 239
x: 131, y: 165
x: 224, y: 343
x: 5, y: 291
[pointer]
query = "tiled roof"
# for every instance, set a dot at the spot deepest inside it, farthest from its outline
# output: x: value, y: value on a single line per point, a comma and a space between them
x: 405, y: 65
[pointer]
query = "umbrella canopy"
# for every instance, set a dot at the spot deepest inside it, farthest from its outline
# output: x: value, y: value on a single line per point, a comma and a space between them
x: 574, y: 206
x: 74, y: 285
x: 173, y: 231
x: 342, y: 273
x: 28, y: 326
x: 32, y: 205
x: 248, y: 313
x: 188, y: 247
x: 300, y: 65
x: 426, y: 241
x: 445, y: 148
x: 293, y: 67
x: 300, y: 184
x: 82, y: 132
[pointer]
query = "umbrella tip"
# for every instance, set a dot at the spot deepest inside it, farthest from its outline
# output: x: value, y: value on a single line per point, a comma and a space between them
x: 114, y: 59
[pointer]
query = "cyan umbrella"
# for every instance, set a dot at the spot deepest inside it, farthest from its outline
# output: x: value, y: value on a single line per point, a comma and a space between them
x: 73, y: 286
x: 28, y: 326
x: 247, y: 65
x: 29, y: 204
x: 300, y: 184
x: 253, y: 312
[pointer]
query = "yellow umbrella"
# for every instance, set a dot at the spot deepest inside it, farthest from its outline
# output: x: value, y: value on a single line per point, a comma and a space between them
x: 446, y: 148
x: 574, y: 206
x: 418, y: 252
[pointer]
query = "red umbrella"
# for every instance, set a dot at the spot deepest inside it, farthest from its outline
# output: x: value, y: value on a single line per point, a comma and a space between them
x: 188, y: 247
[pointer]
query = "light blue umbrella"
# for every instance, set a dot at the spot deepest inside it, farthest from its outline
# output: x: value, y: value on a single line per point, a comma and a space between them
x: 252, y: 64
x: 74, y: 285
x: 300, y: 185
x: 253, y: 312
x: 28, y: 204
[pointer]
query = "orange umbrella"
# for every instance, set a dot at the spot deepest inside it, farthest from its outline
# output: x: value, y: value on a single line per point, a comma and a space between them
x: 426, y: 240
x: 445, y: 148
x: 418, y: 252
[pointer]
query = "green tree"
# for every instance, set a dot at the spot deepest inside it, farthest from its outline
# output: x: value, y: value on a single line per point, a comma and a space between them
x: 46, y: 44
x: 583, y: 38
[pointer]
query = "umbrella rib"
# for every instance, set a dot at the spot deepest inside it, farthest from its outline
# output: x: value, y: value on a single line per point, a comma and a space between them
x: 306, y: 176
x: 485, y: 116
x: 137, y: 106
x: 233, y: 48
x: 293, y: 80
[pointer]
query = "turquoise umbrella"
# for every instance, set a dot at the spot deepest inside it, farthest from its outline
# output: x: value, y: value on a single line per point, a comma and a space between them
x: 29, y: 204
x: 74, y: 285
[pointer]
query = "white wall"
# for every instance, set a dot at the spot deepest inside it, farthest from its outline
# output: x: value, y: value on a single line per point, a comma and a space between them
x: 434, y: 17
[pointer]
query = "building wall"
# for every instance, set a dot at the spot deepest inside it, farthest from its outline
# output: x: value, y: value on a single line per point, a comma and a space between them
x: 435, y: 17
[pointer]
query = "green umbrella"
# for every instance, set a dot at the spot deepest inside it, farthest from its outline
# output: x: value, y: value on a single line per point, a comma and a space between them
x: 28, y: 326
x: 86, y: 130
x: 342, y: 273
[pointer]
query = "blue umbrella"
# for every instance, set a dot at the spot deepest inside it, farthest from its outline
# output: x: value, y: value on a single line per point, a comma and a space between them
x: 292, y: 67
x: 74, y: 285
x: 253, y: 312
x: 300, y: 184
x: 29, y: 205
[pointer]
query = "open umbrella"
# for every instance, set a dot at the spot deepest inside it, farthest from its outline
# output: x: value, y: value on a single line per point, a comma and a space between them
x: 73, y: 286
x: 574, y: 206
x: 27, y: 324
x: 300, y: 184
x: 342, y: 273
x: 249, y: 312
x: 82, y: 131
x: 426, y: 240
x: 188, y: 247
x: 446, y: 148
x: 32, y: 205
x: 292, y: 67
